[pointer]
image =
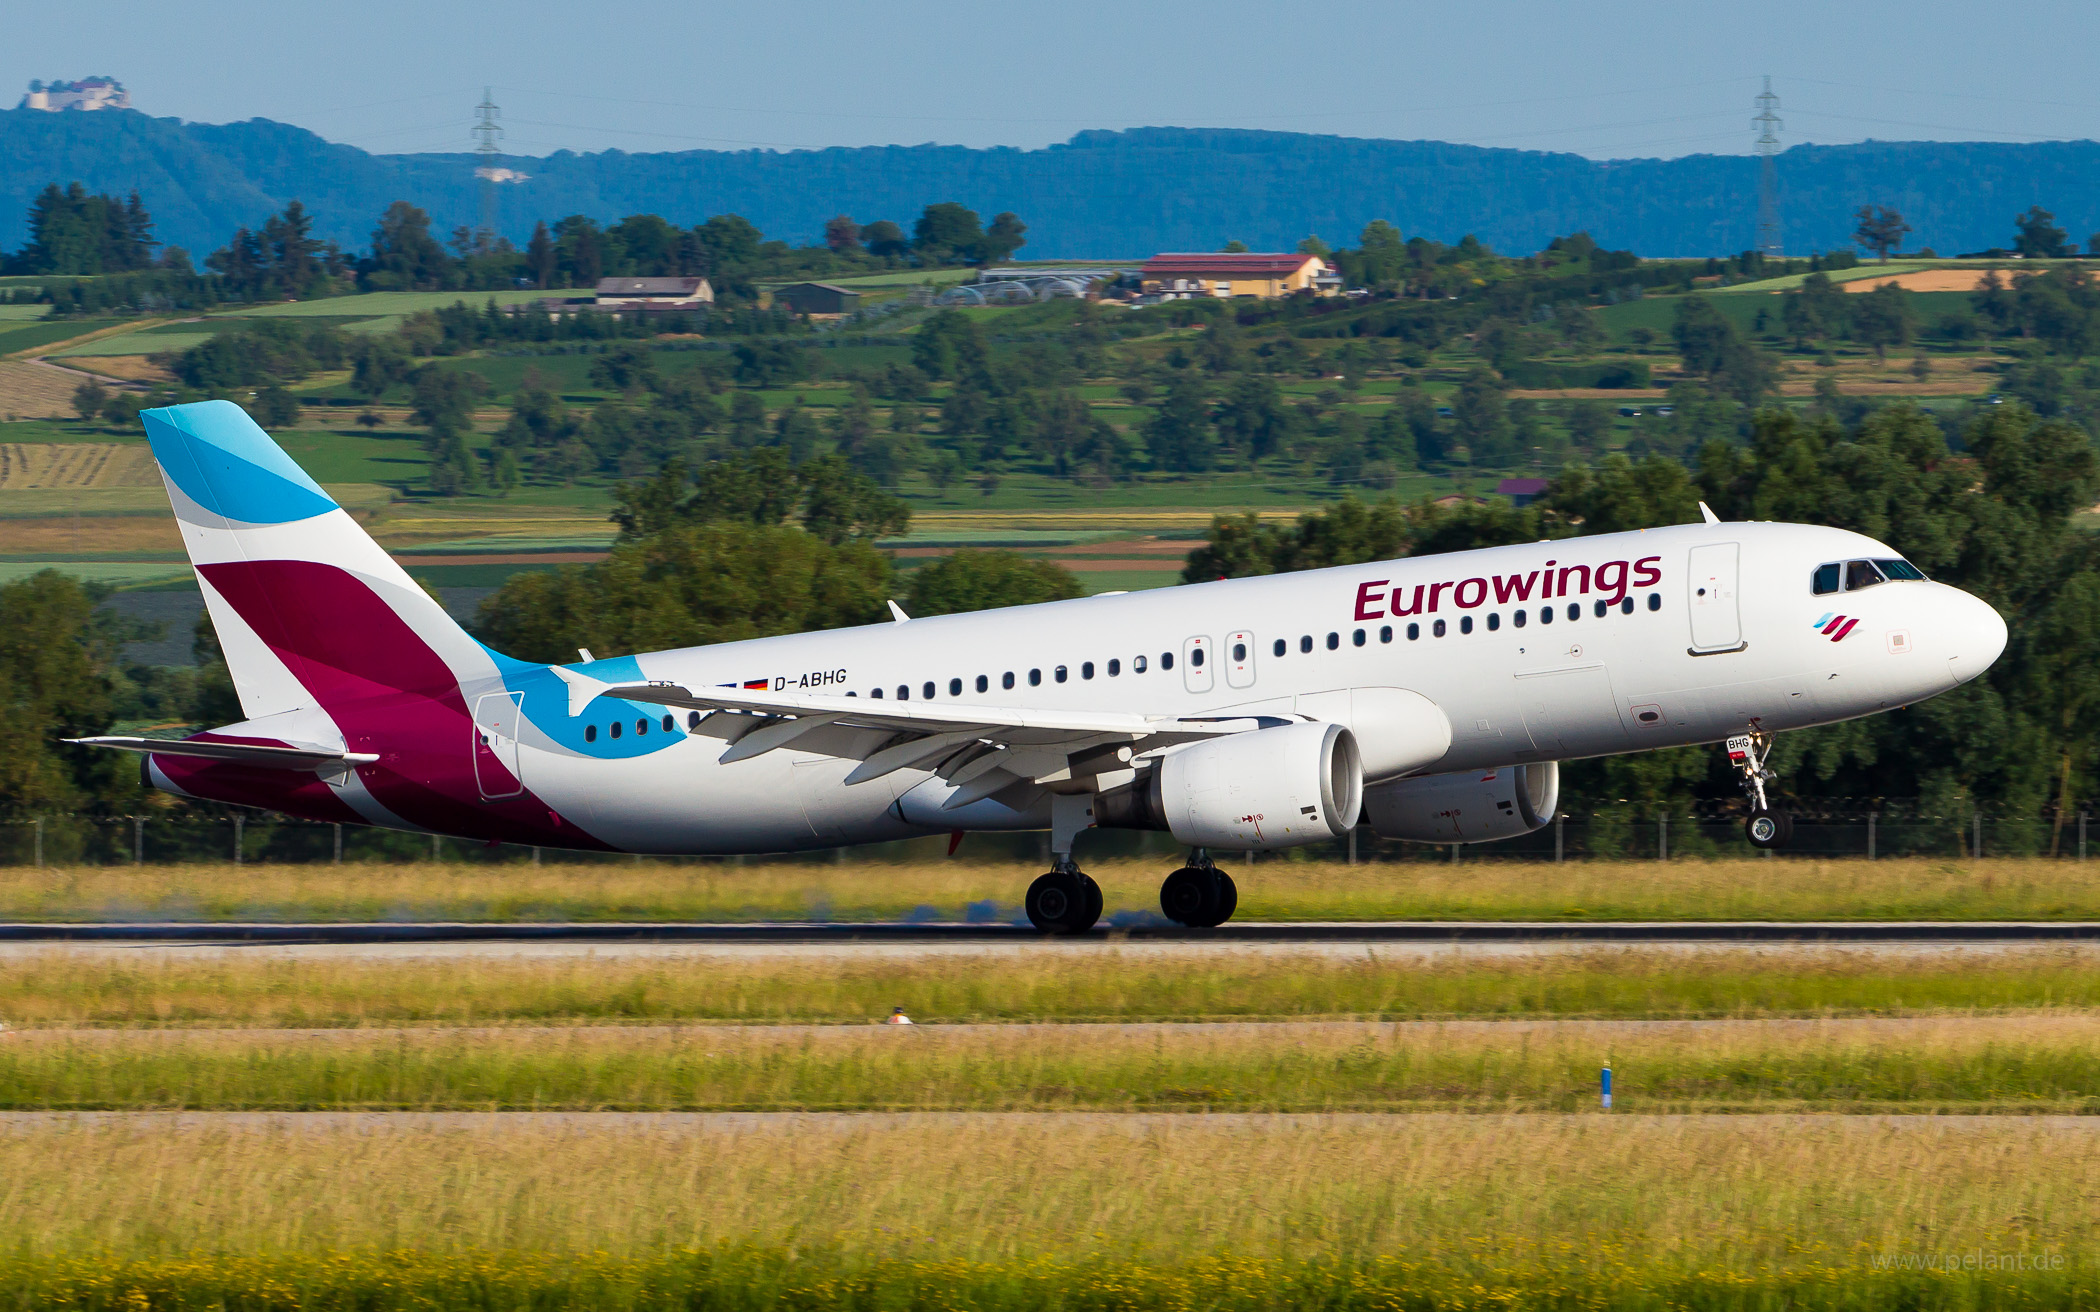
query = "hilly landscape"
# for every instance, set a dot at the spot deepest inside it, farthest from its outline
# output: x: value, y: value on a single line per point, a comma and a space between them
x: 1099, y: 195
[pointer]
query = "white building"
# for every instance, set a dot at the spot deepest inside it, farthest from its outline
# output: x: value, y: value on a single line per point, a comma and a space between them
x: 654, y: 293
x: 86, y: 94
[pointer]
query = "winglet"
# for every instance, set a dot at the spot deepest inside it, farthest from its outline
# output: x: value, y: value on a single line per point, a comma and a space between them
x: 1706, y: 512
x: 583, y: 689
x: 898, y: 612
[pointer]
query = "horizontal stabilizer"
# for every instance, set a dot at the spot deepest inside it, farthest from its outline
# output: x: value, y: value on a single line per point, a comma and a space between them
x: 282, y: 758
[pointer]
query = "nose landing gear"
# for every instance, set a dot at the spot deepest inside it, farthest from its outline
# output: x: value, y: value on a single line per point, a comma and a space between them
x: 1199, y: 894
x: 1765, y: 826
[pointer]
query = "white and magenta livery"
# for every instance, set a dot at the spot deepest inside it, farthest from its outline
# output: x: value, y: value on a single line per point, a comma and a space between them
x: 1431, y: 697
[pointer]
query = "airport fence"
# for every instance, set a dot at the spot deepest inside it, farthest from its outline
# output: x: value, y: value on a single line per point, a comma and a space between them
x: 1822, y: 829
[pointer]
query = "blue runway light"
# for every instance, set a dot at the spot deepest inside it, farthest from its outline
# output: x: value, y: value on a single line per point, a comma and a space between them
x: 1604, y: 1086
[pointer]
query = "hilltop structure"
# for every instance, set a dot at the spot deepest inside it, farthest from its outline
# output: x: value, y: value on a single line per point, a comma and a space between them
x: 86, y: 94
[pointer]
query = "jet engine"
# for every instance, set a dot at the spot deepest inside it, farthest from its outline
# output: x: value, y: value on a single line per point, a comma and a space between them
x: 1469, y: 806
x: 1255, y: 791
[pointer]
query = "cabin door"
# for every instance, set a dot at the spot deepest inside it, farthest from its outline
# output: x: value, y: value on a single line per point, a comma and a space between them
x: 496, y: 722
x: 1717, y: 625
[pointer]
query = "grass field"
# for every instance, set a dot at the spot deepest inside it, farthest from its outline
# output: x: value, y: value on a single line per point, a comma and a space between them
x: 76, y: 465
x: 1073, y: 1213
x: 1055, y: 983
x: 1790, y: 890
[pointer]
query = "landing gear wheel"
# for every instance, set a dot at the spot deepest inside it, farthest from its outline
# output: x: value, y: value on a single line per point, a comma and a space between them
x: 1767, y: 829
x: 1064, y: 902
x: 1201, y: 897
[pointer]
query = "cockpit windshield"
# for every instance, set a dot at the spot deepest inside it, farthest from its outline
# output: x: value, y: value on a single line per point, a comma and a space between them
x: 1852, y: 575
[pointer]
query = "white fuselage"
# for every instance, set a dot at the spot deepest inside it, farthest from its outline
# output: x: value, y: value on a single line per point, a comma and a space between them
x: 1724, y: 634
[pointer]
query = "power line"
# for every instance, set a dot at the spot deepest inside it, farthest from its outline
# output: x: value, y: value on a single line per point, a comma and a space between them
x: 1767, y: 146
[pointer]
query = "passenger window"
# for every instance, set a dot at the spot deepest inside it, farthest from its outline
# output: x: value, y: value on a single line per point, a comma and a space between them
x: 1414, y: 632
x: 926, y: 690
x: 1035, y: 678
x: 615, y: 728
x: 590, y: 733
x: 1305, y: 643
x: 1438, y: 628
x: 669, y: 724
x: 1385, y: 633
x: 1518, y: 618
x: 955, y: 687
x: 1826, y: 580
x: 1545, y: 614
x: 1086, y: 670
x: 1357, y: 637
x: 1114, y: 668
x: 1059, y: 674
x: 1901, y: 569
x: 1166, y: 660
x: 1334, y: 641
x: 1861, y: 574
x: 641, y: 726
x: 692, y: 719
x: 903, y: 692
x: 1465, y: 624
x: 1655, y: 601
x: 1574, y: 610
x: 1626, y: 605
x: 1602, y: 606
x: 984, y: 684
x: 876, y: 694
x: 1281, y: 647
x: 1196, y: 658
x: 1006, y: 680
x: 1239, y: 651
x: 1494, y: 621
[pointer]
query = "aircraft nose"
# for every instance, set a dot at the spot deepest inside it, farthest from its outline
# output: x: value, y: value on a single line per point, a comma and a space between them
x: 1976, y: 638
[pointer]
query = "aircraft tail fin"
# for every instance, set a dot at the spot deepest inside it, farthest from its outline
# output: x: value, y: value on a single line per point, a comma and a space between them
x: 310, y: 611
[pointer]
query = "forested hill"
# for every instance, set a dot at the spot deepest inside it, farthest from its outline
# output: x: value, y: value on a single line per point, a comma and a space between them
x: 1103, y: 194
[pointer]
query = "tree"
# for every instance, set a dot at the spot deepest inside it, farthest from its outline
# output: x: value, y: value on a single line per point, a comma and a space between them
x: 540, y: 258
x: 1312, y: 245
x: 885, y: 239
x: 73, y: 232
x: 1179, y: 435
x: 54, y: 662
x: 1003, y: 238
x: 1881, y: 230
x: 2039, y: 237
x: 1254, y: 419
x: 1480, y: 419
x: 842, y: 235
x: 972, y: 579
x: 405, y: 257
x: 275, y: 408
x: 949, y: 345
x: 948, y: 233
x: 88, y: 400
x: 1883, y: 318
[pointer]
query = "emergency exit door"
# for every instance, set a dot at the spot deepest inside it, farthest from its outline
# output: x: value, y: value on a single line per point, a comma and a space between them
x: 1717, y: 624
x: 496, y: 717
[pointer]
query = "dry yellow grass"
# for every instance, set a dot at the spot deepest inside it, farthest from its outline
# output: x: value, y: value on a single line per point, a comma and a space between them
x: 1588, y: 1192
x: 99, y: 533
x: 25, y: 465
x: 1794, y: 889
x: 35, y: 391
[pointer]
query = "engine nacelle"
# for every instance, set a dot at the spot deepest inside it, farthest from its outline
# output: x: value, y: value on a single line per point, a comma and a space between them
x: 1255, y: 791
x: 1470, y: 806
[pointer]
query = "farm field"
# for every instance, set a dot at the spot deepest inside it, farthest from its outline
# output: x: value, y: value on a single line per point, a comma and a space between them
x: 1426, y: 888
x: 1018, y: 1212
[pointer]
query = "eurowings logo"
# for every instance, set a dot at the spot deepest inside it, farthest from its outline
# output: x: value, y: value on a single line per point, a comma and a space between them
x: 1836, y: 626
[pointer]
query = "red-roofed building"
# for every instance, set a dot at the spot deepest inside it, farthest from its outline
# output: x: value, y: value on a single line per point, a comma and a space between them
x: 1522, y: 491
x: 1265, y: 274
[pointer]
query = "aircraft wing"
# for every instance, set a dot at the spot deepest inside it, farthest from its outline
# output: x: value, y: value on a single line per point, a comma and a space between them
x: 981, y: 750
x: 278, y: 757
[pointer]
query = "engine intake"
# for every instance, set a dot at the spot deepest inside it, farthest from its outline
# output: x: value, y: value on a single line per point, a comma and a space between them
x: 1470, y: 806
x: 1255, y: 791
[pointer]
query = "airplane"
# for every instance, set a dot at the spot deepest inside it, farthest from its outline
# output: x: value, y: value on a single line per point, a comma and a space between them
x: 1432, y: 698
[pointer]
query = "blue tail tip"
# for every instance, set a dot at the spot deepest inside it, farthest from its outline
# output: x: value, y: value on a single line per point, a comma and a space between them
x: 221, y: 459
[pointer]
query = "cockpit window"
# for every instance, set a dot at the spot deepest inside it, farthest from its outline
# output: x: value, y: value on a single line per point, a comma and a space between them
x: 1861, y: 574
x: 1827, y: 578
x: 1901, y: 569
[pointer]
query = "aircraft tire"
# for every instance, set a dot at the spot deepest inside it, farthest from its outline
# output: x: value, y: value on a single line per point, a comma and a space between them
x: 1201, y: 897
x: 1228, y: 898
x: 1060, y: 903
x: 1767, y: 829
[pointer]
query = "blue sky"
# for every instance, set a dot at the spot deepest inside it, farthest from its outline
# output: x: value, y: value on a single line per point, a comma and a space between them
x: 1608, y: 79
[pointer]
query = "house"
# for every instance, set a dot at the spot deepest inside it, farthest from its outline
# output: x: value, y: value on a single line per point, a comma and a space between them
x: 654, y: 293
x: 1522, y: 491
x: 1266, y: 275
x: 87, y: 94
x: 816, y: 298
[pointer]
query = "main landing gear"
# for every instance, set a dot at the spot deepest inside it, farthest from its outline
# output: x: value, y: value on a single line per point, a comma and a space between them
x: 1064, y: 901
x: 1765, y: 827
x: 1199, y: 894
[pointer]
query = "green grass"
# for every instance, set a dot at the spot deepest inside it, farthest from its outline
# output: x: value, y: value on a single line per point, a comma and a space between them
x: 1061, y: 984
x: 2020, y: 1064
x: 383, y: 303
x: 1340, y: 1216
x: 145, y: 343
x: 22, y: 313
x: 29, y: 336
x: 351, y: 455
